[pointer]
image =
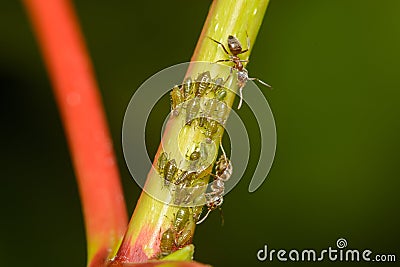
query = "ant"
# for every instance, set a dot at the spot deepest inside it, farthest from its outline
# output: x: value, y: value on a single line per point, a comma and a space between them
x: 236, y: 49
x: 214, y: 199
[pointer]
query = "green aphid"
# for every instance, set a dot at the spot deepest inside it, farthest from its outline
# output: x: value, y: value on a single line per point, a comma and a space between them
x: 187, y: 87
x: 185, y: 178
x: 194, y: 156
x: 182, y: 218
x: 177, y: 98
x: 192, y: 108
x: 167, y: 242
x: 161, y: 162
x: 220, y: 94
x: 170, y: 170
x: 211, y: 129
x: 221, y: 112
x: 196, y: 213
x: 203, y: 82
x: 183, y: 238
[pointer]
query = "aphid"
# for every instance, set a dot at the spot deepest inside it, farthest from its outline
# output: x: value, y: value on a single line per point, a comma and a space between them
x: 167, y: 242
x: 202, y: 83
x: 202, y: 121
x: 185, y: 178
x: 177, y: 235
x: 170, y: 170
x: 188, y: 193
x: 194, y: 156
x: 211, y: 129
x: 206, y: 113
x: 183, y: 238
x: 187, y: 87
x: 182, y: 218
x: 221, y: 112
x: 209, y: 107
x: 236, y: 49
x: 183, y: 194
x: 219, y: 92
x: 203, y: 117
x: 223, y: 171
x: 177, y: 98
x: 192, y: 108
x: 161, y: 161
x: 196, y: 212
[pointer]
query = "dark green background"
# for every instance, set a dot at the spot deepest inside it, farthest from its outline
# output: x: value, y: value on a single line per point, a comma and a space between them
x: 334, y: 66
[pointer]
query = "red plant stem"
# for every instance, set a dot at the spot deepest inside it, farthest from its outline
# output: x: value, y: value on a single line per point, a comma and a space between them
x: 79, y: 102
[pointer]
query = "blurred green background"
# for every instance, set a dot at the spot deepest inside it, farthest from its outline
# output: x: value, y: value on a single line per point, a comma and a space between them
x: 334, y: 66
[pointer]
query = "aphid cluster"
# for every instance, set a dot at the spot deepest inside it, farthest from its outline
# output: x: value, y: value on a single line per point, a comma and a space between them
x: 235, y: 49
x: 199, y: 104
x: 179, y: 234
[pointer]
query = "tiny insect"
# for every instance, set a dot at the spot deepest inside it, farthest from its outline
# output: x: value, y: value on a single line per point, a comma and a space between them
x: 194, y: 156
x: 183, y: 238
x: 223, y: 171
x: 161, y: 161
x: 210, y: 130
x: 187, y: 87
x: 185, y: 178
x: 182, y: 218
x: 221, y: 112
x: 192, y: 108
x: 170, y: 170
x: 206, y: 111
x: 177, y: 235
x: 167, y: 242
x: 177, y: 98
x: 202, y: 83
x: 219, y: 91
x: 183, y: 194
x: 196, y: 212
x: 236, y: 49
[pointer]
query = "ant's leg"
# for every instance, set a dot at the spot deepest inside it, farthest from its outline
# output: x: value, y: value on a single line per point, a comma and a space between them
x: 258, y: 80
x: 222, y: 60
x: 243, y: 51
x: 248, y: 45
x: 229, y: 76
x: 241, y: 97
x: 226, y: 51
x: 222, y: 149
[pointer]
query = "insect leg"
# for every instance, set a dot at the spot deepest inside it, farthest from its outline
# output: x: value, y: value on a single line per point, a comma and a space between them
x: 223, y: 60
x: 241, y: 97
x: 222, y: 149
x: 258, y: 80
x: 205, y: 217
x: 226, y: 51
x: 248, y: 45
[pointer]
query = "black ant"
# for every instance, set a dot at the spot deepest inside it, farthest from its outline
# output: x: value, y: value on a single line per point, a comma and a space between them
x: 236, y: 49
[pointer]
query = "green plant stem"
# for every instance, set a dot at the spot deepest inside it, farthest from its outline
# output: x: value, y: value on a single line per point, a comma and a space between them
x: 151, y: 217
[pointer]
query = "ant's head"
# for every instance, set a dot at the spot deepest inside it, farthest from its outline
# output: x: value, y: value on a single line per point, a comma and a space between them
x: 234, y: 45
